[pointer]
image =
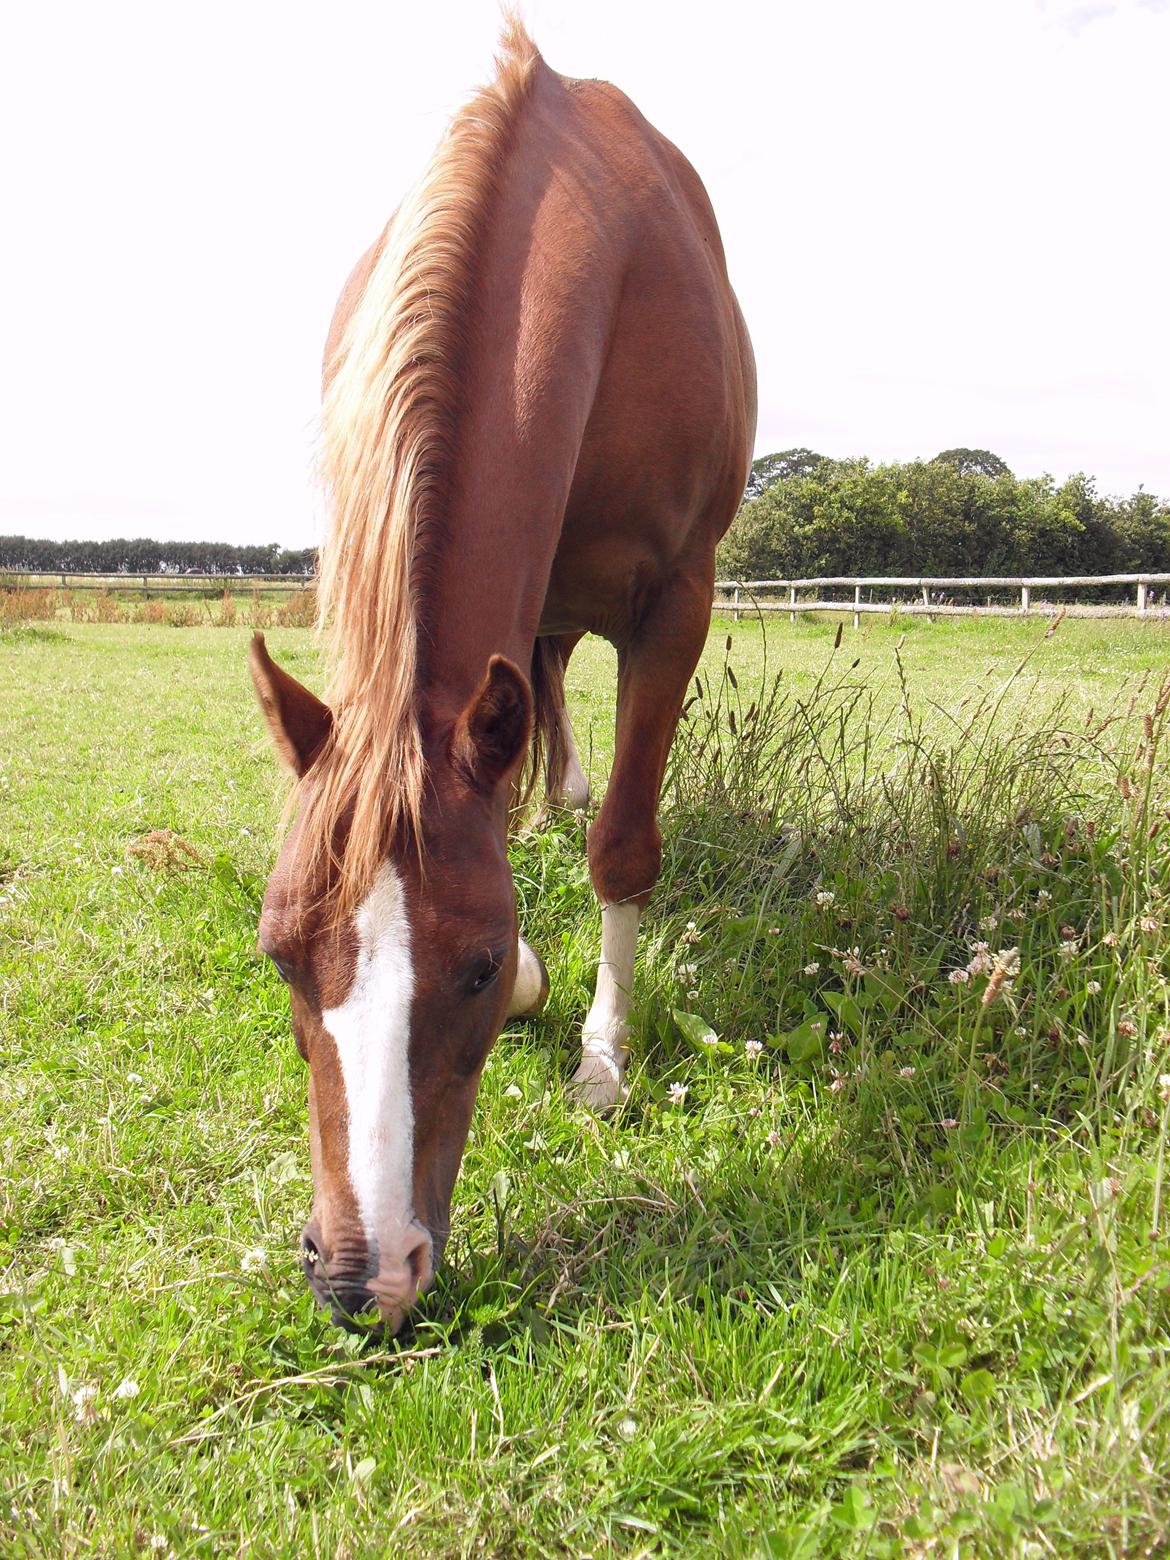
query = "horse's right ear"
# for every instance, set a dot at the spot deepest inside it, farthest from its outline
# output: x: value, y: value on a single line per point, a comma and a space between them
x: 297, y: 719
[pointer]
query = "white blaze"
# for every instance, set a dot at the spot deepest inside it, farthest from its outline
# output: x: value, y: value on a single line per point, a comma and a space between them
x: 371, y: 1030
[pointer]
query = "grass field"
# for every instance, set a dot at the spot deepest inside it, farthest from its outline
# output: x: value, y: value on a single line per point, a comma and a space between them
x: 881, y: 1271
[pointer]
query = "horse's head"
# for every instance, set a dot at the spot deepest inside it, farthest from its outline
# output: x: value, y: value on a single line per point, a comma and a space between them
x: 397, y: 1001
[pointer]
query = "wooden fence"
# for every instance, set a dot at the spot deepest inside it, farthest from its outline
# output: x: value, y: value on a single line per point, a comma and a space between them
x: 149, y: 584
x: 934, y: 597
x: 924, y: 597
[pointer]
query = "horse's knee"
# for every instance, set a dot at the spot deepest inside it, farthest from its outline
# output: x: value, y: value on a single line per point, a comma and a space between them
x: 624, y: 858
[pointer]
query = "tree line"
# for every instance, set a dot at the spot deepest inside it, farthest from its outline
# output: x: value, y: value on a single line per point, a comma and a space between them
x: 803, y: 515
x: 964, y: 512
x: 140, y: 555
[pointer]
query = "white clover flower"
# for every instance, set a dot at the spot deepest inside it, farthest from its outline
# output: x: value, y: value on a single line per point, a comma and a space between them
x: 906, y: 1072
x: 1021, y: 1030
x: 811, y: 969
x: 838, y: 1084
x: 686, y: 969
x: 83, y: 1402
x: 773, y: 1140
x: 1068, y: 949
x: 989, y: 923
x: 1148, y: 923
x: 677, y: 1093
x: 255, y: 1260
x: 135, y: 1078
x: 851, y: 962
x: 1111, y: 939
x: 753, y: 1048
x: 127, y: 1388
x: 1164, y: 1088
x: 692, y: 996
x: 1043, y: 899
x: 825, y: 897
x: 959, y: 977
x: 1093, y: 987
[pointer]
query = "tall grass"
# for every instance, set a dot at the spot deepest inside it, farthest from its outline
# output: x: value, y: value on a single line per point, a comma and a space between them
x: 872, y: 1263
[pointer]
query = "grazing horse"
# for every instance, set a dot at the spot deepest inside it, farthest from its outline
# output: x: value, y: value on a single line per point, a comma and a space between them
x: 538, y: 418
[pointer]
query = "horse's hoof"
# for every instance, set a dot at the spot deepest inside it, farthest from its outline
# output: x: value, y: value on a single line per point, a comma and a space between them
x: 600, y: 1083
x: 530, y: 993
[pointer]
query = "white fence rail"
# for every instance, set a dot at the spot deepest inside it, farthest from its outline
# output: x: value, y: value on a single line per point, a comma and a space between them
x: 149, y: 584
x: 933, y: 596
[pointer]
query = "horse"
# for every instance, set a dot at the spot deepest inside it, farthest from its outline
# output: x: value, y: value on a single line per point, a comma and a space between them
x: 537, y: 421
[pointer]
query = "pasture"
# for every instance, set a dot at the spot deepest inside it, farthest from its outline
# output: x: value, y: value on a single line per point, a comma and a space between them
x: 874, y: 1261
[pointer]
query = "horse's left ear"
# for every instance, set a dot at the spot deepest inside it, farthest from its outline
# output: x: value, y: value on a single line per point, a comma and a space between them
x: 491, y: 735
x: 297, y: 719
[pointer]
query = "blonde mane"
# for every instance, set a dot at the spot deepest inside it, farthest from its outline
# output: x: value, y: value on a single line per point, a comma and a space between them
x: 389, y: 424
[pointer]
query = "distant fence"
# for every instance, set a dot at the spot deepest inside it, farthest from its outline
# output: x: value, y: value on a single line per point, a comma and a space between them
x: 148, y: 584
x: 921, y: 597
x: 934, y: 597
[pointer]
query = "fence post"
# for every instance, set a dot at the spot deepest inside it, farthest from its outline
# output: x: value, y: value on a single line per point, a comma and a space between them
x: 1025, y: 598
x: 792, y: 603
x: 926, y: 603
x: 735, y: 613
x: 856, y: 601
x: 1141, y: 601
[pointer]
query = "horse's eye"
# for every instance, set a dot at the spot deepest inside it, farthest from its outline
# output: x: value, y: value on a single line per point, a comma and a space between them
x: 281, y: 969
x: 486, y: 974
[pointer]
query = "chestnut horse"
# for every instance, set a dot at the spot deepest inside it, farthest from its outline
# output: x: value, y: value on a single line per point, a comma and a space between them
x: 538, y: 419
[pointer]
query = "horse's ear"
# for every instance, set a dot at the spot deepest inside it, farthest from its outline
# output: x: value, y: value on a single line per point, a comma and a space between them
x: 491, y: 735
x: 297, y: 719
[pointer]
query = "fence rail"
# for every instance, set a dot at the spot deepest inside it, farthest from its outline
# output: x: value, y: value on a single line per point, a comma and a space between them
x: 148, y: 583
x: 921, y: 596
x: 930, y: 595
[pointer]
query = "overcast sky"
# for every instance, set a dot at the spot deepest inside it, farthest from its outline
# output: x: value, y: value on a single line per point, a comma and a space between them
x: 946, y: 221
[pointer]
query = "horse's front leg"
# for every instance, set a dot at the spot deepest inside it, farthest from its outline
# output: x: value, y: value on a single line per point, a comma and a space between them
x: 530, y: 992
x: 625, y: 847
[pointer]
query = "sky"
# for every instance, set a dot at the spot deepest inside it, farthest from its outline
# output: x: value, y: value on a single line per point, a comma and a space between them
x: 946, y: 221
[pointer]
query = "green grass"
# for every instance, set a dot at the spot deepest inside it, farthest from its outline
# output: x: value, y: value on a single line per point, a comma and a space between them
x: 897, y: 1284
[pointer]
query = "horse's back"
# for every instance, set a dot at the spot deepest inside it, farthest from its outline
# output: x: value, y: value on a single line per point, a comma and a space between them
x: 667, y: 443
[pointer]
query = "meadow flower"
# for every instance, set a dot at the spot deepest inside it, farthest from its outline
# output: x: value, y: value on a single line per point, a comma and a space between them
x: 1043, y: 899
x: 949, y: 1122
x: 981, y: 960
x: 753, y: 1048
x: 773, y: 1140
x: 1093, y: 987
x: 959, y: 977
x: 1127, y: 1027
x: 838, y: 1083
x: 1164, y: 1088
x: 1068, y: 949
x: 851, y: 962
x: 135, y: 1078
x: 677, y: 1093
x: 686, y: 969
x: 127, y: 1388
x: 1148, y: 923
x: 811, y: 969
x: 692, y: 996
x: 254, y: 1261
x: 825, y: 897
x: 906, y: 1072
x: 989, y: 923
x: 1111, y: 939
x: 82, y: 1398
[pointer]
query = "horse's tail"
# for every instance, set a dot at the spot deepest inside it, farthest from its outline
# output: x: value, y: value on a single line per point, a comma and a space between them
x: 548, y: 702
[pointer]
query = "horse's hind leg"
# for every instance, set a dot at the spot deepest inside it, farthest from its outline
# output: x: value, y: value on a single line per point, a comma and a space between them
x: 625, y: 847
x: 565, y: 782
